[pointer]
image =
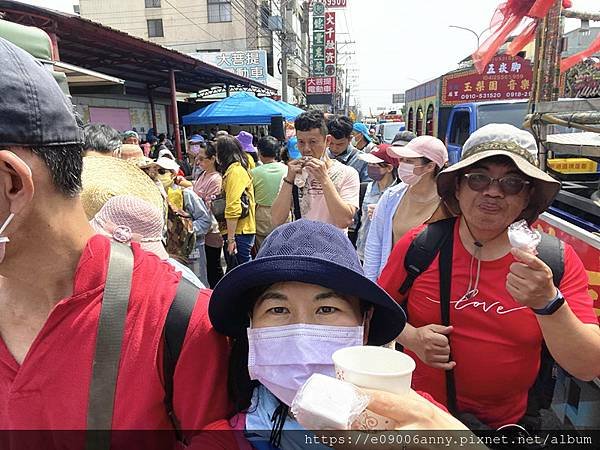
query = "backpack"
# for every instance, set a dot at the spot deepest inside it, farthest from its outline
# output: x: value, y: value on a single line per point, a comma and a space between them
x: 181, y: 238
x: 109, y: 340
x: 437, y: 238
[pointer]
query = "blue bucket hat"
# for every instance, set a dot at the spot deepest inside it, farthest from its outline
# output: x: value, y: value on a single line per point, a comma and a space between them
x: 308, y: 252
x: 361, y: 128
x: 196, y: 139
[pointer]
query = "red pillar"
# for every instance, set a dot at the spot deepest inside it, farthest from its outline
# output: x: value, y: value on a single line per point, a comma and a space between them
x: 54, y: 41
x: 175, y: 114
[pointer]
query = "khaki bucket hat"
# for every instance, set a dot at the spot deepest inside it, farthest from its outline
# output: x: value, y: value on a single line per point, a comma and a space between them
x: 499, y: 139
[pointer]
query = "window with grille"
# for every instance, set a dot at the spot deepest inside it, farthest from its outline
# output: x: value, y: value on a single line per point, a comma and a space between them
x: 152, y: 3
x: 155, y: 28
x: 219, y: 11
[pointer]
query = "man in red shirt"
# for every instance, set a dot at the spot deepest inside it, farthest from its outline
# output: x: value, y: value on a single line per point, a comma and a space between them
x: 52, y: 276
x: 503, y: 302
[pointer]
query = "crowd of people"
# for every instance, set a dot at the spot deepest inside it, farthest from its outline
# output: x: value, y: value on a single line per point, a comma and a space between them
x: 324, y: 242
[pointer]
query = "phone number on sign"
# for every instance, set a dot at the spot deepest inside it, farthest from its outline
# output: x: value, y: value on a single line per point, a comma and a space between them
x: 494, y: 95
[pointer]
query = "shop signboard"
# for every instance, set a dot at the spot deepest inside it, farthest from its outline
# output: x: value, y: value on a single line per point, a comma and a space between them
x: 505, y: 78
x: 320, y: 85
x: 247, y: 63
x: 330, y: 47
x: 330, y: 3
x: 319, y: 39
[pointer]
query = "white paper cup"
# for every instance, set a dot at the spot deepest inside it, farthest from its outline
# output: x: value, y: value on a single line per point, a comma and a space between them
x: 377, y: 368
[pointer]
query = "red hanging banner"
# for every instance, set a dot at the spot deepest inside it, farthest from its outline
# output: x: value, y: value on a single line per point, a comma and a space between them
x: 506, y: 19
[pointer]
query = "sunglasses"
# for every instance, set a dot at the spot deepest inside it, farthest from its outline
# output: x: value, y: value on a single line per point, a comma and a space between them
x: 509, y: 185
x: 163, y: 171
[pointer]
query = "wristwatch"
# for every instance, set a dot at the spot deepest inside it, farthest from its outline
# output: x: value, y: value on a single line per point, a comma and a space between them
x: 552, y: 306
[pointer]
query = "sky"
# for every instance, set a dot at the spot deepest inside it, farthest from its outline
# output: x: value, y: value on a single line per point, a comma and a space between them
x: 398, y: 44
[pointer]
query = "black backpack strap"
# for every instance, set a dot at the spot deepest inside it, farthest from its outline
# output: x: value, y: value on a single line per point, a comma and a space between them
x: 296, y: 202
x: 109, y: 340
x: 551, y: 251
x: 423, y: 250
x: 176, y: 326
x: 362, y: 191
x: 361, y: 197
x: 445, y: 269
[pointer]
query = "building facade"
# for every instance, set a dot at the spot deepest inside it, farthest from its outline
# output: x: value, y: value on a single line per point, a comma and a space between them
x: 199, y: 27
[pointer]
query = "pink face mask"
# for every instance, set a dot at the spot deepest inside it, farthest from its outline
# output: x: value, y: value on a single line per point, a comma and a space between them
x: 283, y: 358
x: 406, y: 172
x: 4, y: 239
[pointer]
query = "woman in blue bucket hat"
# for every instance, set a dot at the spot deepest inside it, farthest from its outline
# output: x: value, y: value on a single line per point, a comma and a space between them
x: 304, y: 291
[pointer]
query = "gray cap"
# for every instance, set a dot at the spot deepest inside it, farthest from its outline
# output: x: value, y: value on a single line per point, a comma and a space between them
x: 403, y: 137
x: 33, y: 109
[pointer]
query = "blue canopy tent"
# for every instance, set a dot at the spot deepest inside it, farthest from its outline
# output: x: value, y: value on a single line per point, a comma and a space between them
x: 289, y: 112
x: 239, y: 109
x: 293, y: 109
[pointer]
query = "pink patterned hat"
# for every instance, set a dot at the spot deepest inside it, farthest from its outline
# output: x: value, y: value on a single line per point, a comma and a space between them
x: 125, y: 218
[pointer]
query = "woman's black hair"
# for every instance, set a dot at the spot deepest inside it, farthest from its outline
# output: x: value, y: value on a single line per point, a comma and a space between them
x: 210, y: 149
x: 230, y: 151
x: 437, y: 168
x: 239, y: 384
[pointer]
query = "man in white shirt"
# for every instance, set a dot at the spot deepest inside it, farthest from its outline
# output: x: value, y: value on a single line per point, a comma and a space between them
x: 327, y: 190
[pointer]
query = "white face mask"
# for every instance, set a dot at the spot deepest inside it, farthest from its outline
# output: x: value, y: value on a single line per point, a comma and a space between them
x: 353, y: 142
x: 407, y: 175
x: 4, y: 239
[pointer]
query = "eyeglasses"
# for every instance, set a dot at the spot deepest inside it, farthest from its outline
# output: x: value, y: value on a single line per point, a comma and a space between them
x: 508, y: 185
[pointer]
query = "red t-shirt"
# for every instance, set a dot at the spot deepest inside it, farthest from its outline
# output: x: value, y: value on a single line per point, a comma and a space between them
x: 50, y: 389
x: 496, y: 342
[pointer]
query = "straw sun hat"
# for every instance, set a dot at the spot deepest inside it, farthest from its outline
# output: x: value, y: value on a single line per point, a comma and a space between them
x: 105, y: 177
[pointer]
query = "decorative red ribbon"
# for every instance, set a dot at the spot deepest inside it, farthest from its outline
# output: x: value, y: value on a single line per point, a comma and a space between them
x: 507, y: 18
x: 570, y: 61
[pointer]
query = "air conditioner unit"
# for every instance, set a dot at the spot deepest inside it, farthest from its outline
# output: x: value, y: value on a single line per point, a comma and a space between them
x: 275, y: 23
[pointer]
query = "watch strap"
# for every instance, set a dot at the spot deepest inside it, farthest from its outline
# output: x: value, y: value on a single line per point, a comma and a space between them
x: 552, y: 306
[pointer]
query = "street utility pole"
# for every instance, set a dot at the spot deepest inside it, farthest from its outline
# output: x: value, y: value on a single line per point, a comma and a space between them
x: 284, y: 53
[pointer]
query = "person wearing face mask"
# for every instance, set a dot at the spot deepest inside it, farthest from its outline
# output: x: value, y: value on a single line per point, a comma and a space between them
x: 382, y: 170
x: 341, y: 149
x: 208, y: 186
x: 195, y: 144
x: 362, y: 139
x: 286, y: 313
x: 184, y: 198
x: 55, y: 282
x: 411, y: 203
